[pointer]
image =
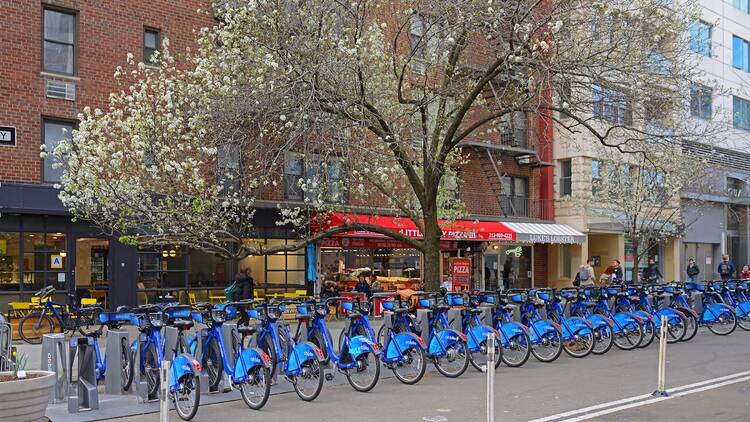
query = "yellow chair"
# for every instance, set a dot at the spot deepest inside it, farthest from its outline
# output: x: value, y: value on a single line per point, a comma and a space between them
x: 301, y: 292
x: 88, y: 301
x: 191, y: 297
x: 20, y: 309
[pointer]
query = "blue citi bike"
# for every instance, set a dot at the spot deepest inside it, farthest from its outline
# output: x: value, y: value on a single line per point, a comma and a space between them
x: 676, y: 321
x: 575, y: 298
x: 679, y: 300
x: 300, y: 363
x: 627, y: 329
x: 477, y: 332
x: 358, y: 356
x: 578, y: 337
x: 545, y: 336
x: 515, y: 337
x: 628, y: 299
x: 733, y: 293
x: 184, y: 382
x: 52, y: 317
x: 720, y: 318
x: 248, y: 368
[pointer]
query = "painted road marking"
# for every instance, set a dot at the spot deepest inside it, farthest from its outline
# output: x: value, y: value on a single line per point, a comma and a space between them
x: 644, y: 399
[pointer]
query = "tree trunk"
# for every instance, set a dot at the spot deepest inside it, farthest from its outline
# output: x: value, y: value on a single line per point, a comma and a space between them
x: 432, y: 234
x: 636, y: 260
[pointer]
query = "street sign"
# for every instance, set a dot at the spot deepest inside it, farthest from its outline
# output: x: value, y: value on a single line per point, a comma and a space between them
x: 56, y: 261
x: 8, y: 136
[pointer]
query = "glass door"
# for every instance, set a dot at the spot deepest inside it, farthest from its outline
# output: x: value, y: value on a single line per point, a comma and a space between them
x: 91, y: 268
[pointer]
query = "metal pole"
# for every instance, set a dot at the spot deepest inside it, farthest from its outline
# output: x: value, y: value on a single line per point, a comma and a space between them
x: 164, y: 396
x: 490, y: 369
x: 661, y: 384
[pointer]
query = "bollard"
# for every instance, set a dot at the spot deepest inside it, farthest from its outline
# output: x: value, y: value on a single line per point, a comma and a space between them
x: 164, y: 391
x: 661, y: 383
x: 113, y: 370
x: 489, y: 368
x: 54, y: 360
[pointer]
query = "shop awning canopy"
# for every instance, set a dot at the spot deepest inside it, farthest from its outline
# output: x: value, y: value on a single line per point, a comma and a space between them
x: 490, y: 231
x: 546, y: 233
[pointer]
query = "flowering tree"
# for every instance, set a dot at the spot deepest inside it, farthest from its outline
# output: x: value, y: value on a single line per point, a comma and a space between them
x: 389, y: 92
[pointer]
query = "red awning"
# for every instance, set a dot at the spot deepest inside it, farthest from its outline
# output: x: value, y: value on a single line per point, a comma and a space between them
x: 457, y: 230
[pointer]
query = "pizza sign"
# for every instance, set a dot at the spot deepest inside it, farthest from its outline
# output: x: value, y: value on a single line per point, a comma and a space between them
x: 460, y: 273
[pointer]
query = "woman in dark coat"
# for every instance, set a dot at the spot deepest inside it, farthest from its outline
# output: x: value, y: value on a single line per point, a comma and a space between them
x: 245, y: 285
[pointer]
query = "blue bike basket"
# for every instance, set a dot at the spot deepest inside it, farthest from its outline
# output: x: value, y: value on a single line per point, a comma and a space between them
x: 669, y: 289
x: 589, y: 291
x: 106, y: 317
x: 488, y: 299
x: 567, y: 294
x: 731, y: 286
x: 543, y: 295
x: 347, y: 306
x: 700, y: 287
x: 455, y: 300
x: 516, y: 298
x: 231, y: 311
x: 252, y: 313
x: 302, y: 310
x: 612, y: 291
x: 388, y: 306
x: 424, y: 303
x: 716, y: 285
x: 198, y: 317
x: 690, y: 286
x: 178, y: 313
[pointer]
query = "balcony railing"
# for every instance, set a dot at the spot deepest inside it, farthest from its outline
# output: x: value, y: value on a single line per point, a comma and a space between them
x: 523, y: 207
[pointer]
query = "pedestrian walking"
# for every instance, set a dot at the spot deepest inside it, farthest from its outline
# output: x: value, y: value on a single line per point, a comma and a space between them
x: 651, y: 273
x: 586, y: 274
x: 726, y: 268
x: 692, y: 271
x: 245, y: 285
x: 745, y: 274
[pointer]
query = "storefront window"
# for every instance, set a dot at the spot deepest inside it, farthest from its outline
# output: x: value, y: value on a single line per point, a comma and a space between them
x: 397, y: 266
x: 514, y: 265
x: 207, y: 270
x: 10, y: 261
x: 91, y: 265
x: 44, y: 260
x: 163, y: 268
x: 649, y: 250
x: 284, y: 271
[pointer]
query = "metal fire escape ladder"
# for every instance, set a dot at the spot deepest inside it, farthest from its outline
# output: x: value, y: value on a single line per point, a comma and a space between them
x: 497, y: 186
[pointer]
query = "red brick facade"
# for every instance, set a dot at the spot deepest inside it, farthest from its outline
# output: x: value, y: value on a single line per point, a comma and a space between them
x: 106, y: 32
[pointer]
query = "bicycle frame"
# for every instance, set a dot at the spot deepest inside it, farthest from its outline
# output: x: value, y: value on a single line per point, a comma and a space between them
x: 296, y: 354
x: 571, y: 326
x: 619, y: 319
x: 351, y: 347
x: 440, y: 339
x: 712, y: 309
x: 538, y: 327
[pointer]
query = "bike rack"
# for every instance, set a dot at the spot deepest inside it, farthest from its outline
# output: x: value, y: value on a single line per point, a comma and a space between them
x: 423, y: 319
x: 113, y: 372
x: 202, y: 335
x: 455, y: 318
x: 82, y: 392
x: 698, y: 303
x: 388, y: 319
x: 665, y: 301
x: 170, y: 342
x: 54, y: 360
x: 486, y: 316
x: 6, y: 344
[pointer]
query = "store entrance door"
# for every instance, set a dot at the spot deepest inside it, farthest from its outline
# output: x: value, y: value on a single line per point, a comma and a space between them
x: 90, y: 273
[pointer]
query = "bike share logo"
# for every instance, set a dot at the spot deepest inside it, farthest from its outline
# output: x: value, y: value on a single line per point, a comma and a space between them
x: 451, y: 338
x: 265, y: 357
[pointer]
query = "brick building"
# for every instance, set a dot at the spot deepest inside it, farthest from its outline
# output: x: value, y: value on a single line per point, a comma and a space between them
x: 60, y: 57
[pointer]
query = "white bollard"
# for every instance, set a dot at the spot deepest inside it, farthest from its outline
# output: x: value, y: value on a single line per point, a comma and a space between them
x: 490, y: 369
x: 164, y: 396
x: 661, y: 383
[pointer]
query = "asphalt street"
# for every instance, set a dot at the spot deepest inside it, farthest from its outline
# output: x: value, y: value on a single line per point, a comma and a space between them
x: 534, y: 391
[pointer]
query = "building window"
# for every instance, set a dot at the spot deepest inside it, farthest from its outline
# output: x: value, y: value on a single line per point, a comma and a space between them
x: 417, y: 41
x: 514, y: 196
x: 741, y: 113
x: 164, y: 267
x: 596, y: 176
x: 566, y: 178
x: 735, y: 187
x: 314, y: 179
x: 565, y: 261
x: 150, y: 46
x: 54, y: 132
x: 700, y: 38
x: 44, y: 264
x: 10, y: 261
x: 283, y: 270
x: 700, y: 101
x: 59, y: 42
x: 610, y: 105
x: 743, y: 5
x: 740, y: 58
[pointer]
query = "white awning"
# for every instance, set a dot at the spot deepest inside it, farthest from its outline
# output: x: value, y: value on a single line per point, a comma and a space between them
x: 546, y: 233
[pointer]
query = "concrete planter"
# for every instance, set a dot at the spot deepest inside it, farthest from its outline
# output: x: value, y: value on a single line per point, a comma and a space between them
x: 26, y: 400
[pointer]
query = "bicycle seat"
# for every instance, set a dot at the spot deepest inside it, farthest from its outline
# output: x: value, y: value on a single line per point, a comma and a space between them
x: 442, y: 308
x: 246, y: 330
x: 182, y: 324
x: 508, y: 308
x: 475, y: 311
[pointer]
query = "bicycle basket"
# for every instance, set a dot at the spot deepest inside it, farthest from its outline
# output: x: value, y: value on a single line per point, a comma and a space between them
x: 488, y: 299
x: 731, y: 285
x: 302, y: 310
x: 669, y: 289
x: 347, y: 306
x: 568, y: 294
x: 179, y: 313
x: 690, y: 286
x: 107, y: 317
x: 612, y: 290
x: 545, y: 296
x: 388, y: 306
x: 516, y: 298
x: 197, y: 317
x: 230, y: 311
x: 716, y: 285
x: 424, y: 303
x: 700, y: 287
x: 455, y: 300
x: 252, y: 313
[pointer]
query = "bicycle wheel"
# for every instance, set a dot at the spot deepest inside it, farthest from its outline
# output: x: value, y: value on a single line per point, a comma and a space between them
x: 126, y: 364
x: 604, y: 339
x: 479, y: 359
x: 455, y: 361
x: 691, y: 325
x: 723, y: 323
x: 34, y: 325
x: 269, y: 348
x: 412, y: 366
x: 676, y: 329
x: 629, y: 335
x: 214, y: 364
x: 381, y: 335
x: 549, y: 347
x: 187, y: 396
x: 257, y: 388
x: 151, y: 367
x: 743, y: 321
x: 364, y: 376
x: 581, y: 345
x: 318, y: 340
x: 649, y: 332
x: 310, y: 382
x: 518, y: 350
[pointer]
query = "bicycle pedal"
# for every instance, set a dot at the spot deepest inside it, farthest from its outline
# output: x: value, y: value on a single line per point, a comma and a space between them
x: 329, y: 377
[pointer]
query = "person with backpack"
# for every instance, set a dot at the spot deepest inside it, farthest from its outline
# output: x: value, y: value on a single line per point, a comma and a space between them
x: 586, y: 274
x: 245, y: 285
x: 726, y: 268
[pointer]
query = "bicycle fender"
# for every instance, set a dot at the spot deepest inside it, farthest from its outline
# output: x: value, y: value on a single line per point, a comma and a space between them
x: 645, y: 316
x: 716, y: 309
x: 478, y: 334
x: 359, y: 345
x: 670, y: 313
x: 250, y: 358
x: 403, y: 341
x: 181, y: 365
x: 577, y: 325
x: 302, y: 353
x: 623, y: 319
x: 512, y: 329
x: 443, y: 339
x: 742, y: 309
x: 688, y: 311
x: 541, y: 328
x: 599, y: 321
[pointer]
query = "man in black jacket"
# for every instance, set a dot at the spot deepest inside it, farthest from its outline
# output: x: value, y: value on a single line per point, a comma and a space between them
x: 651, y: 274
x: 245, y: 285
x: 692, y: 271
